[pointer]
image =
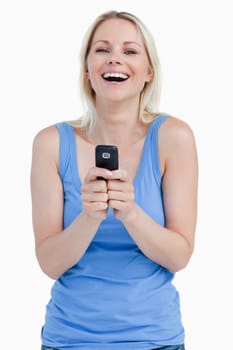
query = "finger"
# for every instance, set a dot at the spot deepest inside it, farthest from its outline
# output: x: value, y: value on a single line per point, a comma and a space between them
x: 95, y: 186
x: 97, y: 210
x: 120, y: 196
x: 120, y: 205
x: 95, y: 172
x: 118, y: 185
x: 94, y: 197
x: 94, y: 206
x: 121, y: 175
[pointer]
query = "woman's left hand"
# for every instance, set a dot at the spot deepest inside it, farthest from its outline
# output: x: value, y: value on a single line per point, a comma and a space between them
x: 120, y: 191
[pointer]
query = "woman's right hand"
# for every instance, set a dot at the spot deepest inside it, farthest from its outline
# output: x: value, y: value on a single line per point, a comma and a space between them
x: 52, y: 239
x: 94, y: 193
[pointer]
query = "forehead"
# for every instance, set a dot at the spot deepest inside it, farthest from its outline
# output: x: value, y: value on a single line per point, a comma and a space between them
x: 117, y: 28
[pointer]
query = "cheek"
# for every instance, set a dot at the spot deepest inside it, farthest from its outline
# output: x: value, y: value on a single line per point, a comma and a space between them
x: 143, y: 73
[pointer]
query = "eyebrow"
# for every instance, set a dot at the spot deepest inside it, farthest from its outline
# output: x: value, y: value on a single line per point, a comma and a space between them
x: 125, y: 42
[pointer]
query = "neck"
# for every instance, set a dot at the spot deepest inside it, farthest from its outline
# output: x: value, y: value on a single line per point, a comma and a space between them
x: 115, y: 129
x: 116, y: 124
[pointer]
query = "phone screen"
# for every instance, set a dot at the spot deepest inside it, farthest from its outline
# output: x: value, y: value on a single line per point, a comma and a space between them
x: 106, y: 156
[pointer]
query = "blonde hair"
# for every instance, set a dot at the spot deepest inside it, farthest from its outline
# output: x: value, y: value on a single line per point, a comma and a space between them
x: 150, y: 95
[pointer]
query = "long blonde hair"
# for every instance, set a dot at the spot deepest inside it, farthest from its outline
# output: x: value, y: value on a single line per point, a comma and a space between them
x: 150, y: 95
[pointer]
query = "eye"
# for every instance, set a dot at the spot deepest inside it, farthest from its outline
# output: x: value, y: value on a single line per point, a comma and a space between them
x: 100, y: 49
x: 130, y: 52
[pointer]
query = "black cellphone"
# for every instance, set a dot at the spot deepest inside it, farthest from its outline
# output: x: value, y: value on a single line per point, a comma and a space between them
x: 106, y: 156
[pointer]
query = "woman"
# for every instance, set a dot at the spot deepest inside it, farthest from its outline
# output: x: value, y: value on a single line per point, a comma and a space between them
x: 113, y: 246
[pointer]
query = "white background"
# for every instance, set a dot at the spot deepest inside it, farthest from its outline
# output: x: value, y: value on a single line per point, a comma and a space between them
x: 40, y: 42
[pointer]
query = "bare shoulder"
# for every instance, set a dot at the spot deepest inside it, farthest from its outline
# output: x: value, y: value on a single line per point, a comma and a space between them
x: 175, y: 133
x: 46, y: 140
x: 176, y: 142
x: 175, y: 130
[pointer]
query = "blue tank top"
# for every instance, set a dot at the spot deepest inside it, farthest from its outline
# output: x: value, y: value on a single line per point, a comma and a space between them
x: 114, y: 298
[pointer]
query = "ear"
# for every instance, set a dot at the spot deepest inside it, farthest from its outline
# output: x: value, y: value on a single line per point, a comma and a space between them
x: 87, y: 74
x: 150, y: 75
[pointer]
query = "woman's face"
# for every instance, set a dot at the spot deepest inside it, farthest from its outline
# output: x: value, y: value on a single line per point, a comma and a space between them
x: 117, y: 63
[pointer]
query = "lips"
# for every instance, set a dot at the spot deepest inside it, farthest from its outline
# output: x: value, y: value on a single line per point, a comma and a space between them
x: 115, y: 76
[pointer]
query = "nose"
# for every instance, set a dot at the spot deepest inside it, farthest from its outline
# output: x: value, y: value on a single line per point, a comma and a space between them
x: 113, y: 61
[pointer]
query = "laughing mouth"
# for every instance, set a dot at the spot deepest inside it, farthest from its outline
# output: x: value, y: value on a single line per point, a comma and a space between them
x: 115, y: 77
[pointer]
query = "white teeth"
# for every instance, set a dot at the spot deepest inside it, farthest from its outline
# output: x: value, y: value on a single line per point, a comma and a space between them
x: 115, y: 75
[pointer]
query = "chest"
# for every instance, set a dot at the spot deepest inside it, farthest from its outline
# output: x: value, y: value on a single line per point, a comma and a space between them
x: 129, y: 158
x: 140, y: 160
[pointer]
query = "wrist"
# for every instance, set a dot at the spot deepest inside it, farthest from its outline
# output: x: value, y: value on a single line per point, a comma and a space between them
x: 131, y: 216
x: 95, y: 221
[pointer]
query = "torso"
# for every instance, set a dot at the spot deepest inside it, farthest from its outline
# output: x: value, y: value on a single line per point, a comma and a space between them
x: 129, y: 157
x: 114, y: 260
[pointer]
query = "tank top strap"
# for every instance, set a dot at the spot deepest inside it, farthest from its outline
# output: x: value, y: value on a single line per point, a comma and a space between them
x: 66, y: 146
x: 150, y: 154
x: 155, y: 147
x: 156, y: 123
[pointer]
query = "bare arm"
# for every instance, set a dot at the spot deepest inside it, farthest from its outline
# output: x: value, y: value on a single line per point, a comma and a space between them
x: 170, y: 246
x: 58, y: 249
